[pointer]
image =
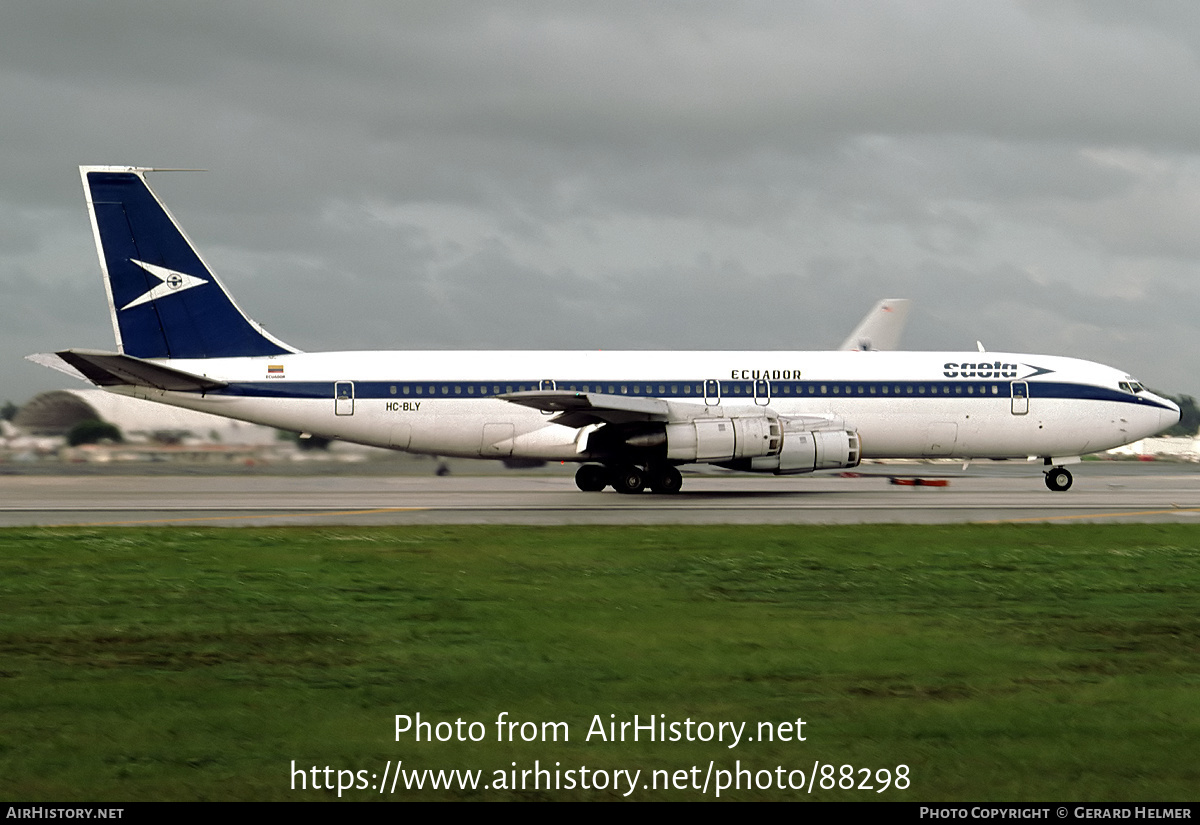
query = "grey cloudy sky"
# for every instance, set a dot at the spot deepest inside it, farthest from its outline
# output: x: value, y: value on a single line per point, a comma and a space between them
x: 707, y: 175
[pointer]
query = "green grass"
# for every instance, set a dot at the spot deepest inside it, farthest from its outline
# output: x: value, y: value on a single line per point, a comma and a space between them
x: 998, y: 662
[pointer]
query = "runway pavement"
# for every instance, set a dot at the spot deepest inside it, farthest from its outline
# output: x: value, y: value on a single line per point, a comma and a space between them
x: 1102, y: 493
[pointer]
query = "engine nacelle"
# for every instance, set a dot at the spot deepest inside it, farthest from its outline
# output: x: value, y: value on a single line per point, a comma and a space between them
x: 756, y: 441
x: 804, y: 451
x: 760, y: 443
x: 714, y: 440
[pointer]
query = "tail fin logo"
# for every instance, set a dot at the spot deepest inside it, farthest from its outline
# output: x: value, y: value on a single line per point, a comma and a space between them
x: 171, y: 282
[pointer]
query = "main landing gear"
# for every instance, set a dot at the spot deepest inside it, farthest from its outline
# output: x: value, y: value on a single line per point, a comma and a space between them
x: 1059, y: 479
x: 629, y: 478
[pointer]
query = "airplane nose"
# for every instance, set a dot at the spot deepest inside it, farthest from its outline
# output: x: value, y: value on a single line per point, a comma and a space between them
x: 1170, y: 417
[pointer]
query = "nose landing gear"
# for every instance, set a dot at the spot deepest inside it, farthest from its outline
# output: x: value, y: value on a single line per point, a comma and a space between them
x: 1059, y: 479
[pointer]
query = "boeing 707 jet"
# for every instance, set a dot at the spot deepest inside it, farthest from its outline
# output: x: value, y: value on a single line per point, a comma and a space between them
x: 629, y: 419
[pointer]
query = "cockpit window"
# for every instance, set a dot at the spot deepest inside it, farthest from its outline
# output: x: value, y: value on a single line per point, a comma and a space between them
x: 1131, y: 386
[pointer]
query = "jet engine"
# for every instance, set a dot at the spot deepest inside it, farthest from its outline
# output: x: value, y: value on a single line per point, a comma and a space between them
x: 804, y: 451
x: 712, y: 440
x: 756, y: 442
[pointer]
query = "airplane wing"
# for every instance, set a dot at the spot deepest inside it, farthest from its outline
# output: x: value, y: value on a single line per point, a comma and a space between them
x: 112, y: 369
x: 656, y: 430
x: 579, y: 409
x: 881, y: 328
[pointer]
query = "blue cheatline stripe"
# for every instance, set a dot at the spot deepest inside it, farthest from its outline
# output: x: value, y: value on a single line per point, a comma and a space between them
x: 731, y: 391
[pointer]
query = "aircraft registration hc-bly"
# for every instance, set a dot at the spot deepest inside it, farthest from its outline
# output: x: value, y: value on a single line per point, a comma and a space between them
x: 630, y: 419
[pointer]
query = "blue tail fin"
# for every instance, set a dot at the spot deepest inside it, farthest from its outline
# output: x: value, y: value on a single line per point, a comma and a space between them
x: 165, y: 302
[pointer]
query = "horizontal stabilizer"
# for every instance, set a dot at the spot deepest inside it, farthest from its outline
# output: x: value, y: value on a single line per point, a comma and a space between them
x: 111, y: 369
x: 51, y: 360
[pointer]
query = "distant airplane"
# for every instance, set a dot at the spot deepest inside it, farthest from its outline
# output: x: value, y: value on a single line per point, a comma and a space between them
x: 630, y: 419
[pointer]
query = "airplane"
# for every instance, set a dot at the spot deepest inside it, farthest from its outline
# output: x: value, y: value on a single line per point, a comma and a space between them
x: 629, y: 419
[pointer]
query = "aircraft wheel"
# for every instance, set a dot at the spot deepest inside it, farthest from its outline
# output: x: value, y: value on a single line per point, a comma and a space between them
x: 665, y: 479
x: 1059, y: 479
x: 591, y: 478
x: 628, y: 479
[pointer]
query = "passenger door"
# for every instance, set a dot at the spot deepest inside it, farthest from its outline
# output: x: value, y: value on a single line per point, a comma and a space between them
x: 343, y: 398
x: 1020, y: 397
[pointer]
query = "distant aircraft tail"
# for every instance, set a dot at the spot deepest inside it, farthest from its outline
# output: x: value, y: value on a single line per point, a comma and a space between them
x: 164, y: 300
x: 881, y: 328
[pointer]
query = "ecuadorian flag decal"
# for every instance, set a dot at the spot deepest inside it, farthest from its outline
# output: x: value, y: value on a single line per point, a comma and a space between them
x: 274, y: 369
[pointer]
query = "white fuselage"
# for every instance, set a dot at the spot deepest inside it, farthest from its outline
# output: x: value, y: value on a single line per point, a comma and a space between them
x: 901, y: 404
